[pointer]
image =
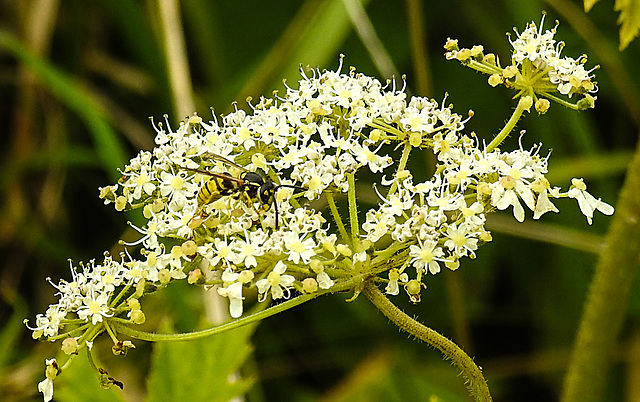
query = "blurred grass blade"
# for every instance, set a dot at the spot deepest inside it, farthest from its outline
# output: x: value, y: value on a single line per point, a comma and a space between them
x: 602, y: 165
x: 370, y: 39
x: 11, y: 331
x: 107, y: 146
x: 313, y: 37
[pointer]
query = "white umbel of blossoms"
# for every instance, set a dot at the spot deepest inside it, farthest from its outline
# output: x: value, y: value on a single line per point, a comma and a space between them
x: 540, y: 48
x: 443, y: 219
x: 86, y: 297
x: 315, y: 138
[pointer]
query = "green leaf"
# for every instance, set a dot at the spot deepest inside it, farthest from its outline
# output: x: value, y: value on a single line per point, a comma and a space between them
x: 629, y: 20
x: 11, y: 333
x: 201, y: 370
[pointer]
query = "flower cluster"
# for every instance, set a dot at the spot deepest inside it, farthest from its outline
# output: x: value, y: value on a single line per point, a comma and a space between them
x: 537, y: 67
x: 236, y: 203
x: 305, y: 144
x: 88, y: 296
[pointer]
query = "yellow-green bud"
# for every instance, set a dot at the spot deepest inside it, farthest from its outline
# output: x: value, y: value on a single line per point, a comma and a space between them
x: 451, y: 44
x: 70, y: 346
x: 189, y: 248
x: 245, y: 276
x: 510, y: 71
x: 526, y: 102
x: 134, y: 304
x: 415, y: 139
x: 452, y: 265
x: 310, y: 285
x: 495, y: 80
x: 489, y: 59
x: 344, y: 250
x: 138, y: 317
x: 121, y: 203
x: 542, y: 105
x: 164, y: 276
x: 414, y: 287
x: 195, y: 277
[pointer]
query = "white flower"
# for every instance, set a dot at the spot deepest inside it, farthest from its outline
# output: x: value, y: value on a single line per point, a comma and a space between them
x: 378, y: 224
x: 543, y: 204
x: 95, y: 306
x: 426, y: 256
x: 276, y: 281
x: 367, y: 157
x: 392, y: 287
x: 246, y: 250
x: 46, y: 387
x: 172, y: 185
x: 442, y: 199
x: 533, y: 44
x: 221, y: 252
x: 299, y: 249
x: 396, y: 203
x: 513, y: 183
x: 503, y: 196
x: 234, y: 293
x: 444, y: 145
x: 587, y: 203
x: 472, y: 214
x: 140, y: 181
x: 324, y: 280
x: 461, y: 240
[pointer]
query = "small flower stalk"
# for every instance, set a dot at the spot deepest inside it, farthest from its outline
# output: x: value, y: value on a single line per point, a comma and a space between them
x: 235, y: 203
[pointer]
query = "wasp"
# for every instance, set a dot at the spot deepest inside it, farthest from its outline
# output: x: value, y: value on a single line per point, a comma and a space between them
x: 250, y: 185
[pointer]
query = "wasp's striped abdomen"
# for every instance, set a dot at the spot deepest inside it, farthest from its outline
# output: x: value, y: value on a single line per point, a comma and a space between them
x: 216, y: 188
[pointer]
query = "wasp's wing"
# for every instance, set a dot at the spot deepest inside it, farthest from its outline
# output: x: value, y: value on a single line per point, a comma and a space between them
x: 222, y: 159
x: 220, y: 176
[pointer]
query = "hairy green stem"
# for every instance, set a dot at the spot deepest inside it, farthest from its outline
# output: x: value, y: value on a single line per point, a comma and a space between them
x: 561, y: 101
x: 123, y: 326
x: 353, y: 209
x: 483, y: 67
x: 154, y: 337
x: 336, y: 217
x: 406, y: 151
x: 608, y: 297
x: 471, y: 372
x: 508, y: 128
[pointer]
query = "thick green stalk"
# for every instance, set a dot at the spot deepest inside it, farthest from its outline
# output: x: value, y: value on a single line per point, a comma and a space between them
x: 608, y: 297
x: 470, y: 371
x: 511, y: 124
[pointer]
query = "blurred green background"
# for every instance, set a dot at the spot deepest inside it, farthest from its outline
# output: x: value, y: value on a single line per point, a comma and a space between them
x: 78, y: 81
